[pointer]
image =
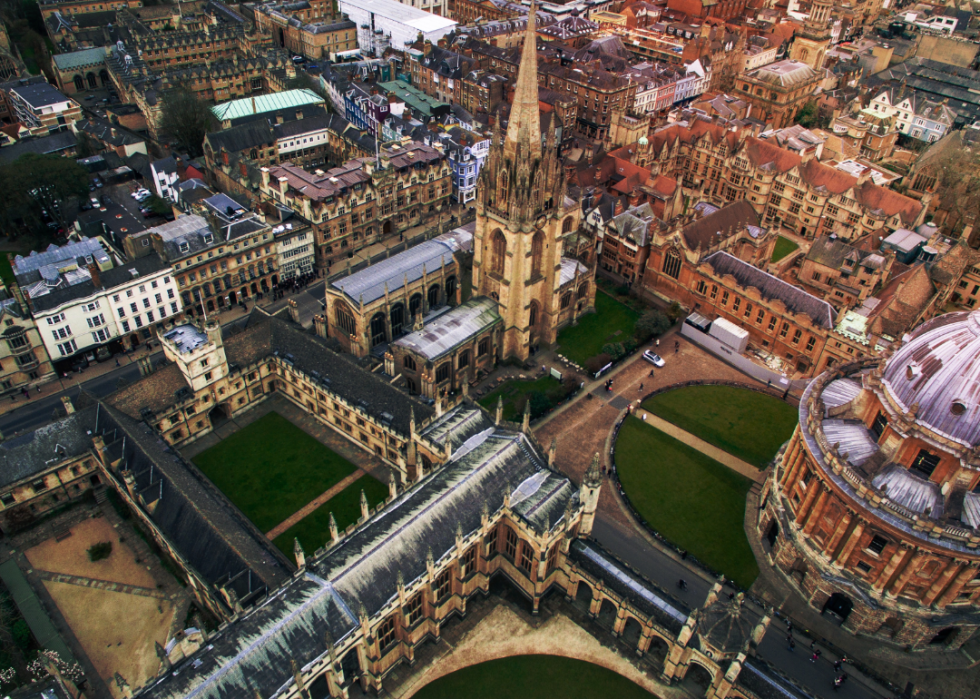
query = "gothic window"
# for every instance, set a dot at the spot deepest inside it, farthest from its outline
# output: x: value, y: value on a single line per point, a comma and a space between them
x: 510, y: 542
x: 386, y: 633
x: 566, y: 300
x: 499, y: 252
x: 483, y: 348
x: 537, y: 252
x: 527, y: 557
x: 672, y: 264
x: 413, y: 610
x: 397, y: 319
x: 583, y: 291
x: 444, y: 585
x: 532, y: 318
x: 442, y: 372
x: 464, y: 359
x: 409, y: 363
x: 450, y: 288
x: 377, y: 329
x: 414, y: 305
x: 433, y: 296
x: 468, y: 564
x: 345, y: 319
x: 566, y: 225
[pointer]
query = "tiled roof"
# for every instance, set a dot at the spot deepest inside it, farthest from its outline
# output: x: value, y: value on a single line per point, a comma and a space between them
x: 704, y: 232
x: 796, y: 300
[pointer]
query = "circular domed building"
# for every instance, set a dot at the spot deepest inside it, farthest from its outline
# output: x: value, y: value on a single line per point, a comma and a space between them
x: 872, y: 510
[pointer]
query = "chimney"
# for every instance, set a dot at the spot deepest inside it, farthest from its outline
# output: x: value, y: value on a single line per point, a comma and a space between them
x: 299, y: 114
x: 427, y: 47
x: 224, y: 157
x: 243, y: 168
x: 279, y: 119
x: 93, y: 269
x: 181, y: 168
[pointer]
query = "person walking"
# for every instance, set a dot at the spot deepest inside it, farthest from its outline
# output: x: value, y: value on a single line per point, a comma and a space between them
x: 815, y: 656
x: 837, y: 666
x: 790, y: 643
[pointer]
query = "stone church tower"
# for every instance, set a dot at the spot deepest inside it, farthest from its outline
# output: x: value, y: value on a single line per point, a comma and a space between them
x: 810, y: 45
x: 524, y: 223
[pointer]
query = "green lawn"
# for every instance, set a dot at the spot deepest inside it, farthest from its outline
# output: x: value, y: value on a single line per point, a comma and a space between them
x: 531, y: 677
x: 784, y: 246
x: 581, y: 342
x: 313, y: 530
x: 693, y: 501
x: 745, y: 423
x: 272, y: 468
x: 512, y: 391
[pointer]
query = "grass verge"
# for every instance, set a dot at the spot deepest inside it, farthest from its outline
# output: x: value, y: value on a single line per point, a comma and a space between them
x: 692, y: 500
x: 784, y: 246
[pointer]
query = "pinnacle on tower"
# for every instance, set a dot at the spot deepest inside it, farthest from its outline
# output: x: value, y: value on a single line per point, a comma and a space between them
x: 525, y: 119
x: 594, y: 475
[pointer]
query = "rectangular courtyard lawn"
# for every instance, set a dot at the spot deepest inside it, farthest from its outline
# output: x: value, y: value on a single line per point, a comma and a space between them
x: 692, y: 500
x: 745, y: 423
x: 271, y: 468
x: 313, y: 531
x: 511, y: 391
x: 583, y: 341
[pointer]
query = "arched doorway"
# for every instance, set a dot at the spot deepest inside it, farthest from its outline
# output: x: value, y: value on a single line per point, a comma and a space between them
x: 219, y: 414
x: 583, y: 597
x: 945, y: 637
x: 658, y: 650
x: 632, y: 632
x: 772, y: 532
x: 697, y: 680
x: 386, y: 228
x: 607, y: 614
x: 838, y: 606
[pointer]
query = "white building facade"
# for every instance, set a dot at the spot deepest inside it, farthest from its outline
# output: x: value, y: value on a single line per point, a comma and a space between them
x: 297, y: 254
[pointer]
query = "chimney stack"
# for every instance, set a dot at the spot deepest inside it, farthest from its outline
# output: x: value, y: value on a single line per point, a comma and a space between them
x: 94, y: 270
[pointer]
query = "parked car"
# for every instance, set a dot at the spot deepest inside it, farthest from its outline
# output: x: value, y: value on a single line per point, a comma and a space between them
x: 654, y: 358
x: 298, y: 59
x: 97, y: 182
x: 95, y: 202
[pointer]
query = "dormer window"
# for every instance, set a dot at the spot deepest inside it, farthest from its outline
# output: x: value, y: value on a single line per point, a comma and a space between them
x: 183, y: 247
x: 208, y: 238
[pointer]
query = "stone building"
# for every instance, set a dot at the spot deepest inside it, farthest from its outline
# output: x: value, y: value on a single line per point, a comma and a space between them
x: 449, y: 352
x: 843, y: 274
x: 811, y: 43
x: 364, y: 201
x: 80, y: 70
x: 80, y: 7
x: 871, y: 510
x: 23, y: 357
x: 377, y: 305
x: 525, y: 220
x: 316, y: 31
x: 50, y: 470
x: 779, y: 90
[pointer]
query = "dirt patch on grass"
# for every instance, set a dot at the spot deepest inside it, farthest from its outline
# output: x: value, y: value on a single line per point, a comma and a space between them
x: 70, y: 556
x: 116, y: 630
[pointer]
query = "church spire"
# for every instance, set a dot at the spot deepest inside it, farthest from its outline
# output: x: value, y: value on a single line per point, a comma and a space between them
x: 525, y: 119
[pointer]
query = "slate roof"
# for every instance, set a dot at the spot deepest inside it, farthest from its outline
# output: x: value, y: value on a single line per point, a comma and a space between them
x: 452, y: 329
x: 28, y: 454
x: 39, y: 94
x: 254, y: 653
x: 832, y: 252
x: 109, y: 279
x: 432, y: 255
x: 728, y: 221
x: 54, y: 143
x: 209, y: 533
x: 796, y: 300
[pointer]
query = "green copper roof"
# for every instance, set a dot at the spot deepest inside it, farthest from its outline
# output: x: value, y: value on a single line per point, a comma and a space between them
x: 412, y: 96
x: 265, y: 103
x: 79, y: 59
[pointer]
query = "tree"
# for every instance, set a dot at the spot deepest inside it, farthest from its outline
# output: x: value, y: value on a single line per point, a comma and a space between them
x: 86, y: 146
x: 305, y: 81
x: 186, y: 119
x: 650, y: 324
x: 36, y: 186
x: 808, y: 116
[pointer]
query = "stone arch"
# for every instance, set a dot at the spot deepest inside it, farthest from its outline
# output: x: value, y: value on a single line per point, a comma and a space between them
x: 697, y: 680
x: 658, y: 649
x: 104, y: 77
x: 414, y: 306
x: 90, y: 79
x: 433, y: 296
x: 397, y: 319
x: 583, y: 596
x: 498, y: 252
x: 632, y: 631
x: 79, y: 83
x: 608, y: 612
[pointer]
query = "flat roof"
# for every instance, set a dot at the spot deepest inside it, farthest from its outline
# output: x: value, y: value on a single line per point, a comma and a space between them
x: 405, y: 14
x: 260, y: 104
x: 186, y: 338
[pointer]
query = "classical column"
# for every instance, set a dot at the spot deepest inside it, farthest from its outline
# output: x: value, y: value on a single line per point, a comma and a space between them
x: 851, y: 542
x: 896, y: 588
x: 966, y: 574
x: 839, y: 531
x: 952, y: 568
x: 793, y: 459
x: 901, y: 555
x: 816, y: 511
x: 801, y: 513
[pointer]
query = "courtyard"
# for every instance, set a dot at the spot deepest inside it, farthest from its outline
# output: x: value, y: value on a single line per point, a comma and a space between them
x: 784, y: 246
x: 273, y: 471
x: 513, y: 392
x: 611, y: 322
x: 691, y: 500
x: 531, y: 676
x: 747, y: 424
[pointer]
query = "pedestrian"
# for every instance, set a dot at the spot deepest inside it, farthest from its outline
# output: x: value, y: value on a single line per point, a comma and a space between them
x: 117, y: 361
x: 39, y: 388
x: 816, y: 654
x: 790, y: 644
x: 641, y: 386
x: 837, y: 666
x: 658, y: 342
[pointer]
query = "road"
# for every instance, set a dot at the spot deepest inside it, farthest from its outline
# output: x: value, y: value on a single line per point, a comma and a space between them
x: 817, y: 678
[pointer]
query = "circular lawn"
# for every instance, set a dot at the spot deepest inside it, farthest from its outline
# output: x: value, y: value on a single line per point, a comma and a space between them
x: 533, y: 677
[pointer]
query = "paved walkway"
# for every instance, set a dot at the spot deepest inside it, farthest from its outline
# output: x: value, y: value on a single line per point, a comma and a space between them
x: 309, y: 507
x: 102, y: 584
x: 719, y: 455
